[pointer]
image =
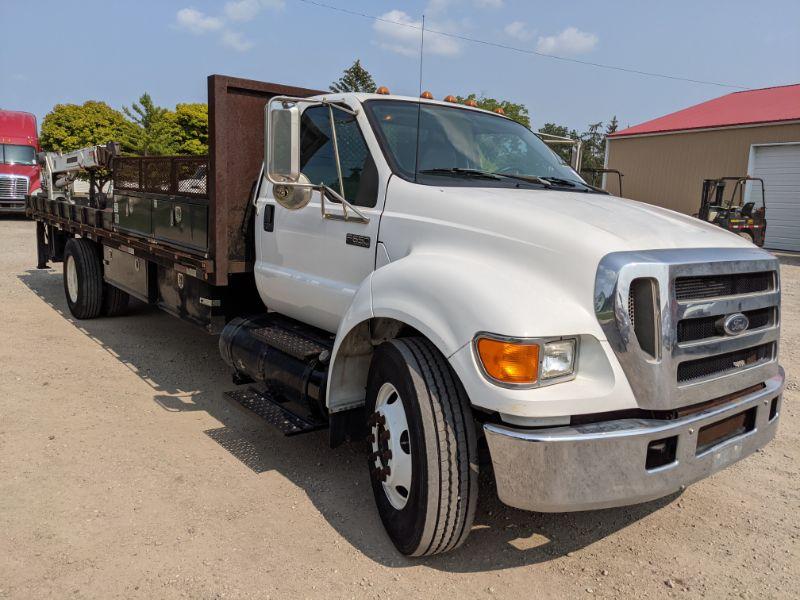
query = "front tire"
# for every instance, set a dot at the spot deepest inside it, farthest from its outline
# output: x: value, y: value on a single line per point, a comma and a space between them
x: 423, y: 454
x: 83, y: 278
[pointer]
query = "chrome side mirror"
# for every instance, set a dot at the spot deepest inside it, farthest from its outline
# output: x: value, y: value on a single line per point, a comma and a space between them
x: 282, y: 141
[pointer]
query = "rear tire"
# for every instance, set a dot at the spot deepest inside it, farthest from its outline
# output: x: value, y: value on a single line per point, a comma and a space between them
x: 432, y: 450
x: 83, y: 278
x: 115, y: 301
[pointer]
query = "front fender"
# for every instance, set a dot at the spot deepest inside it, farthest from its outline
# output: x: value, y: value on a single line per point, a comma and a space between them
x: 451, y: 298
x: 448, y: 299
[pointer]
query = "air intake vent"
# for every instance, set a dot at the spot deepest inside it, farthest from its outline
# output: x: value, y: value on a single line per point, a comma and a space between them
x: 724, y: 363
x: 692, y: 288
x: 644, y: 314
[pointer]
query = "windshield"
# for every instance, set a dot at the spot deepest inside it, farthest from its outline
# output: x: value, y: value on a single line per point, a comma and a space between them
x: 12, y: 154
x: 456, y: 141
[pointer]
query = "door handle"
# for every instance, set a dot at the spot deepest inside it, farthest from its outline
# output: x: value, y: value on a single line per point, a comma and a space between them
x: 269, y: 217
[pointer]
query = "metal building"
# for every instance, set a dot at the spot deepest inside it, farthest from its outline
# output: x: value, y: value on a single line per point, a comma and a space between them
x: 755, y: 132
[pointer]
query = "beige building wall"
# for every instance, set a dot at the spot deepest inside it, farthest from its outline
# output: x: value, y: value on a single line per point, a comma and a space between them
x: 668, y: 169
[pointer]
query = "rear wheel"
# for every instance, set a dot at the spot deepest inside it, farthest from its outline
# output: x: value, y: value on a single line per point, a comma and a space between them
x: 83, y: 278
x: 423, y: 457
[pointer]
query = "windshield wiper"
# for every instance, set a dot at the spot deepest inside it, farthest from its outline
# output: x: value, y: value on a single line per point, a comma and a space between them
x: 462, y: 172
x: 574, y: 183
x: 527, y: 178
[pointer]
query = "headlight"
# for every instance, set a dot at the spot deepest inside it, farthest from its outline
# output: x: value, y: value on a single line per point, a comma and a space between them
x: 521, y: 362
x: 558, y: 359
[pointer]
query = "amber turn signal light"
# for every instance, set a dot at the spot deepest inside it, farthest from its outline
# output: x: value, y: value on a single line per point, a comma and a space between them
x: 509, y: 362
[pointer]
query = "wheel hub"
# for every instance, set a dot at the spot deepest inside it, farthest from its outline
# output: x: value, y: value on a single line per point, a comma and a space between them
x: 390, y: 445
x: 72, y: 279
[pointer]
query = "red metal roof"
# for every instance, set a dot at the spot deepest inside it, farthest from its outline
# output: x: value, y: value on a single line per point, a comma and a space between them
x: 749, y: 107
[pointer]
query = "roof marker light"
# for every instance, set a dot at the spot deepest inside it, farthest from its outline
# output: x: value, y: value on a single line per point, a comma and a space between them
x: 383, y: 90
x: 471, y: 103
x: 426, y: 95
x: 450, y: 98
x: 499, y: 110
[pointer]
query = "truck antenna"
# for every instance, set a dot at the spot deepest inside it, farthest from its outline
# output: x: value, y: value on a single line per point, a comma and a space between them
x: 419, y: 99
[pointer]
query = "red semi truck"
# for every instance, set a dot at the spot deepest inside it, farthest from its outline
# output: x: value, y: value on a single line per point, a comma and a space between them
x: 19, y: 173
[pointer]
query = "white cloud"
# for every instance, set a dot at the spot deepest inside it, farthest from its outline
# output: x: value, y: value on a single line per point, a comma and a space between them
x: 518, y: 30
x: 438, y: 6
x: 196, y: 21
x: 246, y: 10
x: 235, y: 40
x: 401, y: 34
x: 570, y: 41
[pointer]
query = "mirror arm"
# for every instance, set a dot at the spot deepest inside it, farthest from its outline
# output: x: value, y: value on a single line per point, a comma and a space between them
x: 360, y: 218
x: 336, y: 155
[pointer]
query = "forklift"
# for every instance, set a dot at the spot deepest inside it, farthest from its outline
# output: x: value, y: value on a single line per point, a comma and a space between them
x: 737, y: 216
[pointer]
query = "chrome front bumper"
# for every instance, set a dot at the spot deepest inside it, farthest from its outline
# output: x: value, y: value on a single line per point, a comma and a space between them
x: 12, y: 206
x: 600, y: 465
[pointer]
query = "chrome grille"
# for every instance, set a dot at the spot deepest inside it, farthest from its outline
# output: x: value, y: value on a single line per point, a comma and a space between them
x: 697, y: 289
x: 694, y: 288
x: 14, y: 187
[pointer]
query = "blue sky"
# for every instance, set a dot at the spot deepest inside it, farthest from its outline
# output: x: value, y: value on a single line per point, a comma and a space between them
x: 114, y: 50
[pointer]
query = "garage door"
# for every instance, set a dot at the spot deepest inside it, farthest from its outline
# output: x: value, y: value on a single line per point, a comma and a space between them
x: 779, y: 167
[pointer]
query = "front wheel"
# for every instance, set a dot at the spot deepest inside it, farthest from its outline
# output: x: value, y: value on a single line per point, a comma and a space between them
x: 423, y: 456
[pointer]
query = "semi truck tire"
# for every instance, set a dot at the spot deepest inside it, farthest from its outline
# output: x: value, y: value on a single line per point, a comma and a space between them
x: 423, y: 449
x: 115, y: 301
x: 83, y: 278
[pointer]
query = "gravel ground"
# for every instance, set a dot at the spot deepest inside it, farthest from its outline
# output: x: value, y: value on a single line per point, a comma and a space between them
x: 125, y: 473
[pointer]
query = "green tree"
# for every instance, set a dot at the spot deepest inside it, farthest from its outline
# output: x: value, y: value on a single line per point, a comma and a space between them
x: 517, y: 112
x: 72, y: 126
x: 612, y: 126
x: 153, y: 131
x: 594, y: 144
x: 354, y: 79
x: 190, y: 122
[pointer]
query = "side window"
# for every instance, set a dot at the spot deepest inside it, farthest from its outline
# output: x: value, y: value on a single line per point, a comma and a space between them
x: 317, y: 160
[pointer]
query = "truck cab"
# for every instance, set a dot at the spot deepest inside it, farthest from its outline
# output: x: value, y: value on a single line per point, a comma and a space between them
x: 605, y: 351
x: 19, y: 173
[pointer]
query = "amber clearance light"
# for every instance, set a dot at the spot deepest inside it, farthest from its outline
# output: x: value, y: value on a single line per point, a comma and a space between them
x: 509, y: 362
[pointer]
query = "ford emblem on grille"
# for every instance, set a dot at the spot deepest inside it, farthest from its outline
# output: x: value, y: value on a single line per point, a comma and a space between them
x: 735, y: 324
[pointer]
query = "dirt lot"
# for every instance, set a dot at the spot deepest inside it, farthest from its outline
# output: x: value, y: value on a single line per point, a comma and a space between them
x: 125, y: 473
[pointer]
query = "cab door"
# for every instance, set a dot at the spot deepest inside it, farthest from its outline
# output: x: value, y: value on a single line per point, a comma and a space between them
x: 307, y: 266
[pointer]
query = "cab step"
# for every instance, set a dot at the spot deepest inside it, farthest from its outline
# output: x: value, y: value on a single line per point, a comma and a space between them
x: 262, y: 403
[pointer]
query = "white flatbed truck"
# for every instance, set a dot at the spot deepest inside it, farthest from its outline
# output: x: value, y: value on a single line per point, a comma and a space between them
x: 431, y: 277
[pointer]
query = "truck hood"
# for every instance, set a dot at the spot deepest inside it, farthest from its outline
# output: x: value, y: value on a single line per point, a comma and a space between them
x: 561, y: 220
x: 526, y: 259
